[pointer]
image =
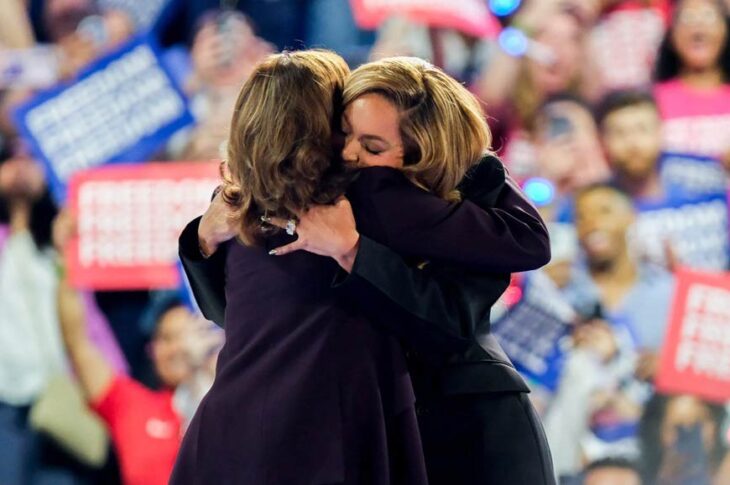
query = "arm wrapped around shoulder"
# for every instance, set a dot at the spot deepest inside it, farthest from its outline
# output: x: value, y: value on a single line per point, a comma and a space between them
x: 508, y: 237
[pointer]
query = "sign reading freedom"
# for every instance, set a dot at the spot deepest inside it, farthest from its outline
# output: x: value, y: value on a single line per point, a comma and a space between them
x: 696, y: 353
x: 697, y: 230
x: 120, y: 109
x: 468, y: 16
x: 129, y: 218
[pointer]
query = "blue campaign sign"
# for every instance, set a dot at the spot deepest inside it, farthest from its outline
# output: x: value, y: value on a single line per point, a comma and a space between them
x: 120, y: 109
x: 692, y: 175
x: 696, y: 229
x: 535, y: 332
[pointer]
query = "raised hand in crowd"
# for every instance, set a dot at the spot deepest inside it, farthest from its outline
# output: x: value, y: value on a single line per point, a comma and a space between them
x: 515, y: 84
x: 498, y: 80
x: 94, y: 36
x: 400, y: 37
x: 647, y: 365
x: 597, y: 337
x: 569, y: 150
x: 224, y: 52
x: 95, y: 374
x: 77, y: 52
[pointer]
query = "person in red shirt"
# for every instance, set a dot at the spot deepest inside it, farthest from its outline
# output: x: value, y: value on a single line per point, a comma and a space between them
x: 145, y: 426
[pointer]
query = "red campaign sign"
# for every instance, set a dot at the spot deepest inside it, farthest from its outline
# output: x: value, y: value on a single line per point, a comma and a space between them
x: 696, y: 354
x: 628, y: 37
x: 129, y: 218
x: 468, y: 16
x: 664, y: 7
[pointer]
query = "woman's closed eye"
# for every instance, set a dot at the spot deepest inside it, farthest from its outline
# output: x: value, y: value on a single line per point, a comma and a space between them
x: 372, y: 151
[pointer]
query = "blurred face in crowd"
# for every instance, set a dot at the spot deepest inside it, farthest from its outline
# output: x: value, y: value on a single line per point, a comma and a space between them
x: 21, y: 178
x: 169, y: 352
x: 63, y: 16
x: 687, y: 411
x: 569, y: 151
x: 632, y: 140
x: 371, y: 125
x: 612, y: 476
x: 562, y: 34
x: 699, y: 33
x: 603, y: 217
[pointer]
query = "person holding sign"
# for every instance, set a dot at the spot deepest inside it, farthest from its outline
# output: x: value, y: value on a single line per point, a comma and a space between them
x: 145, y: 425
x: 677, y: 195
x: 440, y: 311
x: 693, y: 79
x: 631, y: 134
x: 597, y: 404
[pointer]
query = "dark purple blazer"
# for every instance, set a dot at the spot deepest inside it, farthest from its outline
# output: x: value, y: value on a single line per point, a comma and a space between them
x: 440, y: 312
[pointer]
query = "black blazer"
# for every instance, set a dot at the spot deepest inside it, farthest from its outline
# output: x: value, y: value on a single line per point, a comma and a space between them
x: 440, y: 311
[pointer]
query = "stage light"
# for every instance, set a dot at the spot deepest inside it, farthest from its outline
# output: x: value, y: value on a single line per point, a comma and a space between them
x: 502, y: 8
x: 540, y: 191
x: 513, y: 41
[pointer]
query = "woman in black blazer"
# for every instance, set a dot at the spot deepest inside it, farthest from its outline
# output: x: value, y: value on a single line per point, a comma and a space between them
x: 439, y: 312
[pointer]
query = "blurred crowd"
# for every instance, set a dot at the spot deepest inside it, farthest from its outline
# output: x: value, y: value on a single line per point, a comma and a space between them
x: 609, y: 112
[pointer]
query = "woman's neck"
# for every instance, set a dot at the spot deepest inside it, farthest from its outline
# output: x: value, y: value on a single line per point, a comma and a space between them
x: 615, y: 279
x: 709, y: 78
x: 19, y: 217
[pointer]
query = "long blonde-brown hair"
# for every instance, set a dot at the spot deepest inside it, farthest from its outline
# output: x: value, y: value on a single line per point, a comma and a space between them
x: 280, y: 150
x: 442, y: 125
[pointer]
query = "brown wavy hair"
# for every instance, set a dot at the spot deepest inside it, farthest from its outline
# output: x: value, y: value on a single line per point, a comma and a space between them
x: 442, y: 125
x: 280, y: 152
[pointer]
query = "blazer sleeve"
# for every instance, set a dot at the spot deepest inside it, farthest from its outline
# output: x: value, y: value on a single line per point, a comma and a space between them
x: 435, y: 310
x: 206, y: 276
x: 507, y: 237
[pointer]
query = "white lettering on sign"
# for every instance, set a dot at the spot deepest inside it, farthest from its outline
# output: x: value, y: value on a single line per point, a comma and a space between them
x: 699, y: 177
x: 629, y: 39
x: 705, y: 135
x: 704, y: 346
x: 697, y: 232
x: 531, y: 330
x: 137, y: 222
x: 106, y: 113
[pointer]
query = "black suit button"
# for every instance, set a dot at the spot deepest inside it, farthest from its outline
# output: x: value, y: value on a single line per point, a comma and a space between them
x: 421, y: 410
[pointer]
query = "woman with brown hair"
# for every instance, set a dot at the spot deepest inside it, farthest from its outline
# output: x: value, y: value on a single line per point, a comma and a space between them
x: 304, y: 391
x: 308, y: 390
x: 477, y: 424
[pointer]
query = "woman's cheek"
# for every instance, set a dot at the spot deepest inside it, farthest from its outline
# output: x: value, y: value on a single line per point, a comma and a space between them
x: 369, y: 161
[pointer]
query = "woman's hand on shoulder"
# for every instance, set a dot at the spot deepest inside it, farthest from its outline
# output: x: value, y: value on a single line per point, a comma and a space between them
x: 218, y: 224
x: 326, y: 230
